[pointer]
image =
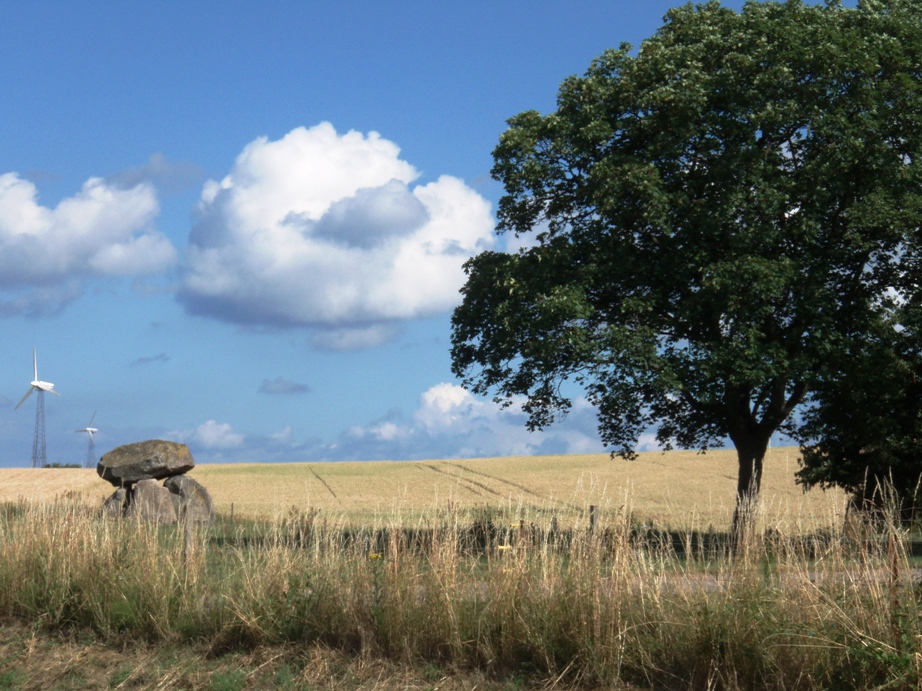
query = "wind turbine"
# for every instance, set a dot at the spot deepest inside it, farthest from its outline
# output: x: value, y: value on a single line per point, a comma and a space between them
x: 91, y: 449
x: 38, y: 443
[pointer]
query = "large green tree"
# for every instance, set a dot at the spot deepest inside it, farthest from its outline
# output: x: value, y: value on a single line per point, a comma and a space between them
x: 707, y: 224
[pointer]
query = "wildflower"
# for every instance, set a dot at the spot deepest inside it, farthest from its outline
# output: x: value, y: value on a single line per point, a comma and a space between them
x: 374, y: 555
x: 503, y: 548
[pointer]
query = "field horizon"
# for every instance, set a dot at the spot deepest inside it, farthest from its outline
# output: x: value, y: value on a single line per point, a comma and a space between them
x: 684, y: 489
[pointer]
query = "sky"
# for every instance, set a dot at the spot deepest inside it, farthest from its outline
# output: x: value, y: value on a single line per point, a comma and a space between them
x: 242, y: 225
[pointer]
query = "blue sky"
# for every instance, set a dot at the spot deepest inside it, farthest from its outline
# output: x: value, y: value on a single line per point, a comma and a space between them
x: 241, y: 224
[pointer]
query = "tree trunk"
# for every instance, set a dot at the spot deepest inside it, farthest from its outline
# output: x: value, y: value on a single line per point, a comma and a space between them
x: 750, y: 455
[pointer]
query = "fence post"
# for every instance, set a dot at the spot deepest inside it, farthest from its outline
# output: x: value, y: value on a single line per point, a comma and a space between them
x: 593, y: 518
x: 187, y: 534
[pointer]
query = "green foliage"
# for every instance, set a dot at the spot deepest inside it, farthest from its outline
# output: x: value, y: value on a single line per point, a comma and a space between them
x: 713, y: 220
x: 11, y: 679
x: 231, y: 680
x: 864, y: 432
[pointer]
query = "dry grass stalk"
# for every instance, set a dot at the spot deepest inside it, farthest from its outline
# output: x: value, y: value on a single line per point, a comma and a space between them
x: 470, y: 589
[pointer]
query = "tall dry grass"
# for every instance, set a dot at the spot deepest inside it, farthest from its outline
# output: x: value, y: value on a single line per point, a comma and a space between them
x: 622, y: 605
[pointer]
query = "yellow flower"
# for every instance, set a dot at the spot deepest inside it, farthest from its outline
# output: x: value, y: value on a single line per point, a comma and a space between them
x: 374, y: 555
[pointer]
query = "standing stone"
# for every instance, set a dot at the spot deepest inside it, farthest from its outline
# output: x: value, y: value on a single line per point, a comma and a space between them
x: 189, y: 495
x: 114, y: 506
x: 149, y: 501
x: 147, y: 460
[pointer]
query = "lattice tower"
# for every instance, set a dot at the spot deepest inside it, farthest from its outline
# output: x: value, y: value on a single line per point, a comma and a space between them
x: 38, y: 443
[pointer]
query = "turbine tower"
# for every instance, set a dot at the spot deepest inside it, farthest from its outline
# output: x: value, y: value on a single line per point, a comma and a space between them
x: 91, y: 448
x: 38, y: 443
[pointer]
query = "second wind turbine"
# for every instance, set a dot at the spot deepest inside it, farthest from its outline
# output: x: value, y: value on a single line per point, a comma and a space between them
x: 38, y: 443
x: 91, y: 448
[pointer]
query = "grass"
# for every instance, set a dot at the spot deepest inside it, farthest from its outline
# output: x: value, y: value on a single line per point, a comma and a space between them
x: 456, y: 575
x: 679, y: 489
x: 461, y: 596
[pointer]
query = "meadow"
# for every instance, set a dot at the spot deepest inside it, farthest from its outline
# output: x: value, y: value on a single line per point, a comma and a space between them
x: 683, y: 489
x: 402, y: 576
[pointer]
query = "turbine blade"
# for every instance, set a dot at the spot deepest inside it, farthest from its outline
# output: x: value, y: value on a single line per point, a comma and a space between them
x: 52, y: 391
x: 91, y: 419
x: 28, y: 393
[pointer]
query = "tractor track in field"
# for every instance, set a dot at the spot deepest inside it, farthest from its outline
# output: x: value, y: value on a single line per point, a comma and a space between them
x: 469, y: 481
x: 324, y: 483
x: 498, y: 479
x: 525, y: 489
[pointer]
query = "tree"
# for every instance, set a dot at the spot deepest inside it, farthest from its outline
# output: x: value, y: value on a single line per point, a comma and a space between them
x: 709, y: 223
x: 863, y: 432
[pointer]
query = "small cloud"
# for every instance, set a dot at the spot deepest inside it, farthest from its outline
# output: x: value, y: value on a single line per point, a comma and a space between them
x: 39, y: 175
x: 210, y: 435
x: 43, y: 301
x: 167, y: 175
x: 279, y: 385
x: 358, y: 338
x: 162, y: 358
x: 285, y: 436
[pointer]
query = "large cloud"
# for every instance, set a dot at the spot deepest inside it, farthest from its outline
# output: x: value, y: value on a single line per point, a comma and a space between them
x: 104, y: 230
x: 325, y: 230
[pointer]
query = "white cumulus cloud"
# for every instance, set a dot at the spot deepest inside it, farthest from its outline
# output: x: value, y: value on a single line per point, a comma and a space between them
x: 103, y: 230
x: 450, y: 422
x: 210, y: 435
x: 326, y: 230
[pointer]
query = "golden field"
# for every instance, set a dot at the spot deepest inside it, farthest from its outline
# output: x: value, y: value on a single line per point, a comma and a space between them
x: 682, y: 489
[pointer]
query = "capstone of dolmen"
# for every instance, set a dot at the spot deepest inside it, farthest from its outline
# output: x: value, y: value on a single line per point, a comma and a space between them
x: 146, y: 460
x: 151, y: 502
x: 191, y: 501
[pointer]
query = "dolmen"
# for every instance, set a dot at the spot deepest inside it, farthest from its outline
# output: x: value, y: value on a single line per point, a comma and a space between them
x: 136, y: 469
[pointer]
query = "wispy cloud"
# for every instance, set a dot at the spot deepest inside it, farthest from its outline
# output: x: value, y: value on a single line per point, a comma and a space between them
x: 280, y: 385
x: 161, y: 358
x: 168, y: 176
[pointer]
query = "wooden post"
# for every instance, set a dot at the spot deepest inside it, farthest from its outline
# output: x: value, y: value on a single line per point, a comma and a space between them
x: 187, y: 534
x: 894, y: 564
x: 593, y: 518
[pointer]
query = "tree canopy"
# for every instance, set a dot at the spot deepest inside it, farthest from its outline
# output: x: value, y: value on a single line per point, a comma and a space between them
x: 708, y: 223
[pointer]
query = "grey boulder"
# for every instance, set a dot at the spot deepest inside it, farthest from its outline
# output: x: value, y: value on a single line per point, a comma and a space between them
x: 191, y: 500
x: 147, y: 460
x: 114, y: 506
x: 151, y: 502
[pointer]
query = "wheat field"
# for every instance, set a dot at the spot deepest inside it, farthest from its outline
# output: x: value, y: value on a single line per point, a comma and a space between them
x: 682, y: 489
